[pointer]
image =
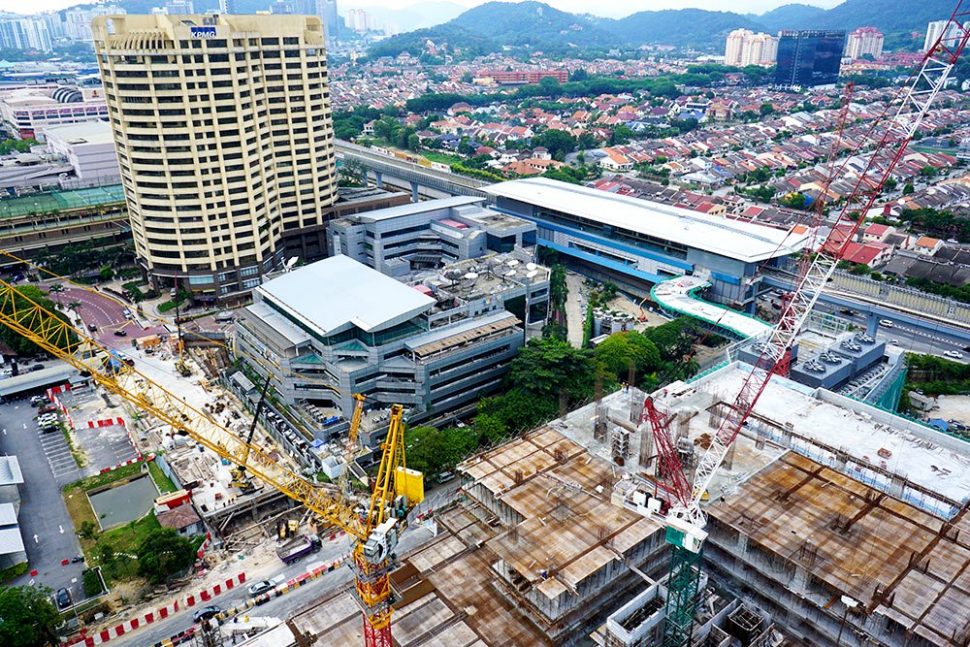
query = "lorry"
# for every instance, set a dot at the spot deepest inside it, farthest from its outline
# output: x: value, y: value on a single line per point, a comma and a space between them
x: 294, y: 549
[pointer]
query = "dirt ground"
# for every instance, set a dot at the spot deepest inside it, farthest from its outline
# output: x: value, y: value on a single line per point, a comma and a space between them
x: 953, y: 407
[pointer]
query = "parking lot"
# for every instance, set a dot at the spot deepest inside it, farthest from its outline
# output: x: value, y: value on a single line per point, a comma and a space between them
x: 44, y: 523
x: 104, y: 445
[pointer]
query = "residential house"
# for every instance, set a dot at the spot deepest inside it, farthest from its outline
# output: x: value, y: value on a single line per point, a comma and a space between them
x: 927, y: 245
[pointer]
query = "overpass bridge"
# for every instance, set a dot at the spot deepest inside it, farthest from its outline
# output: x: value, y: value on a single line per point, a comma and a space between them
x: 409, y: 173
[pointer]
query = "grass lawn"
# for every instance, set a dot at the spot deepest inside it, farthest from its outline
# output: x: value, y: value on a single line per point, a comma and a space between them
x: 120, y: 541
x: 442, y: 158
x: 162, y: 482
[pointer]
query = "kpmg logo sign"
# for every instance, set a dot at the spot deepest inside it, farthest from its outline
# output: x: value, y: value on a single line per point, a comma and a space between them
x: 203, y: 32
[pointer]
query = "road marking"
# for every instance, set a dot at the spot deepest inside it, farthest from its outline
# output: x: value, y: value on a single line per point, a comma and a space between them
x: 61, y: 528
x: 36, y: 539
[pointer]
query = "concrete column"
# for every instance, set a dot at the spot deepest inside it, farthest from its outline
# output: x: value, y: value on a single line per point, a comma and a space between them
x: 414, y: 192
x: 380, y: 179
x: 872, y: 323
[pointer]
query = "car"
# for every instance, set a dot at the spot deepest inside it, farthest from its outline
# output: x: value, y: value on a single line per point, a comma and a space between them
x: 38, y: 400
x: 50, y: 407
x: 206, y: 612
x: 37, y: 367
x: 886, y: 323
x: 848, y: 312
x: 953, y: 354
x: 121, y: 333
x: 260, y: 587
x: 63, y: 598
x: 92, y: 328
x: 895, y: 342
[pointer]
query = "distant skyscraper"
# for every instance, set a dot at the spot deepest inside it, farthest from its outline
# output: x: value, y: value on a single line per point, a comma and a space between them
x: 180, y: 7
x: 29, y: 32
x: 227, y: 6
x: 809, y: 58
x: 225, y: 143
x: 862, y: 41
x: 327, y: 9
x: 744, y: 47
x: 935, y: 29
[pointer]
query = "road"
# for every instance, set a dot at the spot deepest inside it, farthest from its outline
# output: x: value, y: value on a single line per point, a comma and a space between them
x: 283, y: 606
x: 925, y: 341
x: 107, y: 315
x: 42, y: 510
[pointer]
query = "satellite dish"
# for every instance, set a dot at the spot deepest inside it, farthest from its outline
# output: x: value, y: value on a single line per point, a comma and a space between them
x: 510, y: 273
x: 532, y: 274
x: 291, y: 262
x: 512, y: 263
x: 471, y: 276
x: 531, y: 266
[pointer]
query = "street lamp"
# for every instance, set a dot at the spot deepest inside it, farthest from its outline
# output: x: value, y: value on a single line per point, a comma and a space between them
x: 849, y: 603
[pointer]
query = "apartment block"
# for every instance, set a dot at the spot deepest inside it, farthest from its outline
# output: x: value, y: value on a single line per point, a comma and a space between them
x: 745, y: 47
x: 863, y: 41
x: 225, y: 142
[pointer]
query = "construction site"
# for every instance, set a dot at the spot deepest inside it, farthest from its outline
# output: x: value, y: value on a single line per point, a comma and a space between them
x: 829, y: 517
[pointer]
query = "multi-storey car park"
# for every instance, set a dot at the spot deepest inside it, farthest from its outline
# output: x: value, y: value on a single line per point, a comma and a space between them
x: 225, y: 142
x: 639, y: 243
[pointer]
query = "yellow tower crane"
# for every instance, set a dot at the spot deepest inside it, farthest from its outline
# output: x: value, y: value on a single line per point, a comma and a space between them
x: 375, y: 532
x: 350, y: 449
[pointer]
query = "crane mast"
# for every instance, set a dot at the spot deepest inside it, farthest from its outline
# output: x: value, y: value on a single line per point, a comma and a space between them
x: 685, y: 522
x: 374, y: 531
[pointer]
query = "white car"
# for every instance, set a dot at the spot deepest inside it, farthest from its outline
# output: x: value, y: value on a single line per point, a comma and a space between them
x: 886, y: 323
x: 953, y: 354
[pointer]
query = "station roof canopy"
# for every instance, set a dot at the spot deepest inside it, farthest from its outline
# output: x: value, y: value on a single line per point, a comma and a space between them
x: 337, y: 293
x: 30, y: 380
x: 57, y: 201
x: 742, y: 241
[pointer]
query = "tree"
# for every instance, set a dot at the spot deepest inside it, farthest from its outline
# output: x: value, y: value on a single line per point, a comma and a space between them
x: 795, y: 200
x: 163, y: 554
x: 432, y: 451
x: 579, y: 75
x: 549, y: 367
x: 766, y: 109
x: 908, y: 188
x: 587, y: 141
x: 19, y: 344
x: 550, y: 85
x: 29, y: 618
x: 890, y: 184
x: 558, y: 142
x: 622, y: 350
x: 621, y: 135
x: 490, y: 429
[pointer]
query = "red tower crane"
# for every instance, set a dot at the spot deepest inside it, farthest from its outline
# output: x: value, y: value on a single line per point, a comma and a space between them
x: 685, y: 521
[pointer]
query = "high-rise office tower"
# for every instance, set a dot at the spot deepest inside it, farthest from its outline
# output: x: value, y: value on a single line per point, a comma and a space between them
x: 227, y: 6
x: 862, y: 41
x: 224, y: 137
x: 809, y: 58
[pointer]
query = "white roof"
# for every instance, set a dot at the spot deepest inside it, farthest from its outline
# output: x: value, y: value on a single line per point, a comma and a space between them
x: 8, y: 514
x: 10, y: 473
x: 742, y: 241
x: 91, y: 132
x: 336, y: 293
x: 675, y: 294
x: 414, y: 208
x: 11, y: 541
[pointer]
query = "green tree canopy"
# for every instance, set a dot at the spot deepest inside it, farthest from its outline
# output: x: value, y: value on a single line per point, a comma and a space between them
x: 10, y: 307
x: 622, y: 350
x: 547, y: 367
x: 27, y: 617
x: 558, y: 142
x: 163, y: 554
x: 433, y: 450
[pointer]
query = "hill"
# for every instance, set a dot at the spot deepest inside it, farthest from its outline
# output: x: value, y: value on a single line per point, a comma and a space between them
x: 532, y: 23
x: 790, y: 16
x: 684, y: 27
x: 887, y: 15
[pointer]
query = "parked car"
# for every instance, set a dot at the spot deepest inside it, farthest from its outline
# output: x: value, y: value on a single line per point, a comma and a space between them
x: 37, y: 367
x: 92, y: 328
x: 206, y: 612
x: 953, y: 354
x: 63, y: 597
x: 121, y: 333
x: 37, y: 400
x: 886, y: 323
x: 260, y: 587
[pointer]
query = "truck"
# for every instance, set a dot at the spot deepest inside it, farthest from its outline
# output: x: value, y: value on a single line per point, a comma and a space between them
x: 294, y: 549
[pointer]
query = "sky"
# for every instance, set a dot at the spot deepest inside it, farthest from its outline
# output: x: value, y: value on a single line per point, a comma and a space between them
x: 612, y: 8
